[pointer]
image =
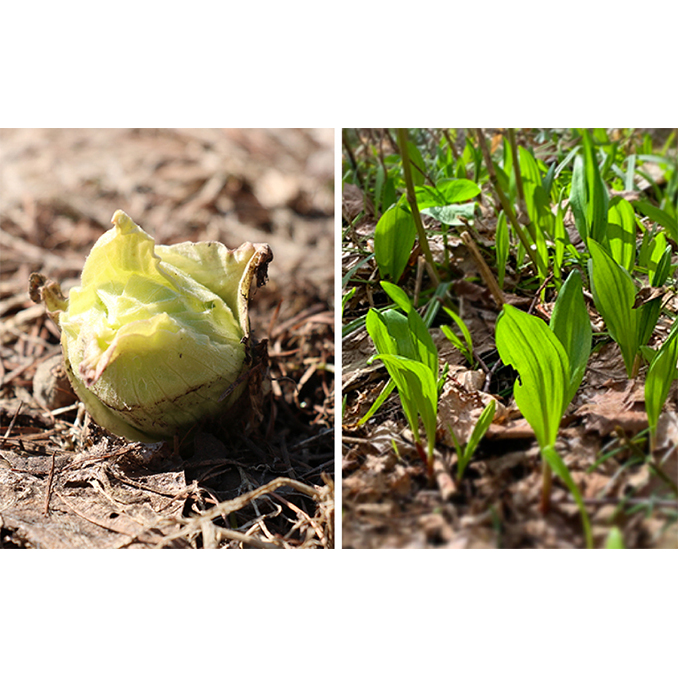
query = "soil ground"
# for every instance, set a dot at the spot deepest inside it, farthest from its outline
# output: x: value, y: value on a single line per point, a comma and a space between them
x: 65, y: 482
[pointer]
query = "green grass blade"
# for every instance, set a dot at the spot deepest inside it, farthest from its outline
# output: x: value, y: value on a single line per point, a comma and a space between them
x: 462, y: 326
x: 501, y: 247
x: 383, y: 396
x: 479, y: 431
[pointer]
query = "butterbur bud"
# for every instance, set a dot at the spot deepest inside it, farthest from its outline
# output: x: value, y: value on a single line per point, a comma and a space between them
x: 155, y: 336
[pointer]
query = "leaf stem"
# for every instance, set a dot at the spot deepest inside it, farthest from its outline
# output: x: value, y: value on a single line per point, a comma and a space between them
x: 546, y: 487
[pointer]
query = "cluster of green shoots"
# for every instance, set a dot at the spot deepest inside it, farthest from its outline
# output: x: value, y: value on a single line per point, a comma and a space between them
x: 626, y: 250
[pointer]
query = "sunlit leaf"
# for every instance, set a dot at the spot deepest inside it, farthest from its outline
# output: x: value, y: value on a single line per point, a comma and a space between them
x: 394, y: 239
x: 570, y: 323
x: 661, y: 373
x: 614, y: 292
x: 527, y: 343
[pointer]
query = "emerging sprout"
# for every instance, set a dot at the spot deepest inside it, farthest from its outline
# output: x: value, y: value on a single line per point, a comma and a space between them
x: 155, y: 339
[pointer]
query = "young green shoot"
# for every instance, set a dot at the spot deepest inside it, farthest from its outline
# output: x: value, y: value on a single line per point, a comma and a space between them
x: 614, y: 295
x: 550, y: 362
x: 661, y: 373
x: 479, y: 431
x: 464, y: 346
x: 408, y: 352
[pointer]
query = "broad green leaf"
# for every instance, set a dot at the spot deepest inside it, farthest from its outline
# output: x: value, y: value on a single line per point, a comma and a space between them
x: 622, y: 230
x: 390, y: 332
x: 397, y: 295
x: 527, y: 343
x: 419, y: 396
x: 661, y: 373
x: 570, y: 323
x: 589, y: 195
x: 394, y: 239
x: 457, y: 190
x: 450, y: 214
x: 426, y: 350
x: 614, y: 294
x: 428, y: 196
x: 537, y: 199
x: 393, y: 333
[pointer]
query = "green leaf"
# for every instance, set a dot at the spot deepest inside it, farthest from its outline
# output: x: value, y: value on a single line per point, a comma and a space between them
x: 346, y: 297
x: 622, y: 230
x: 527, y: 343
x: 578, y: 197
x: 667, y: 221
x: 397, y: 295
x: 648, y: 316
x: 457, y: 190
x: 501, y: 247
x: 394, y: 239
x: 479, y: 431
x: 537, y: 199
x: 390, y: 332
x: 384, y: 395
x: 570, y: 323
x: 614, y: 294
x: 427, y: 352
x: 614, y: 539
x: 662, y: 270
x: 661, y: 373
x: 419, y: 396
x: 466, y: 348
x: 597, y: 205
x: 416, y: 164
x: 589, y: 195
x: 450, y: 214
